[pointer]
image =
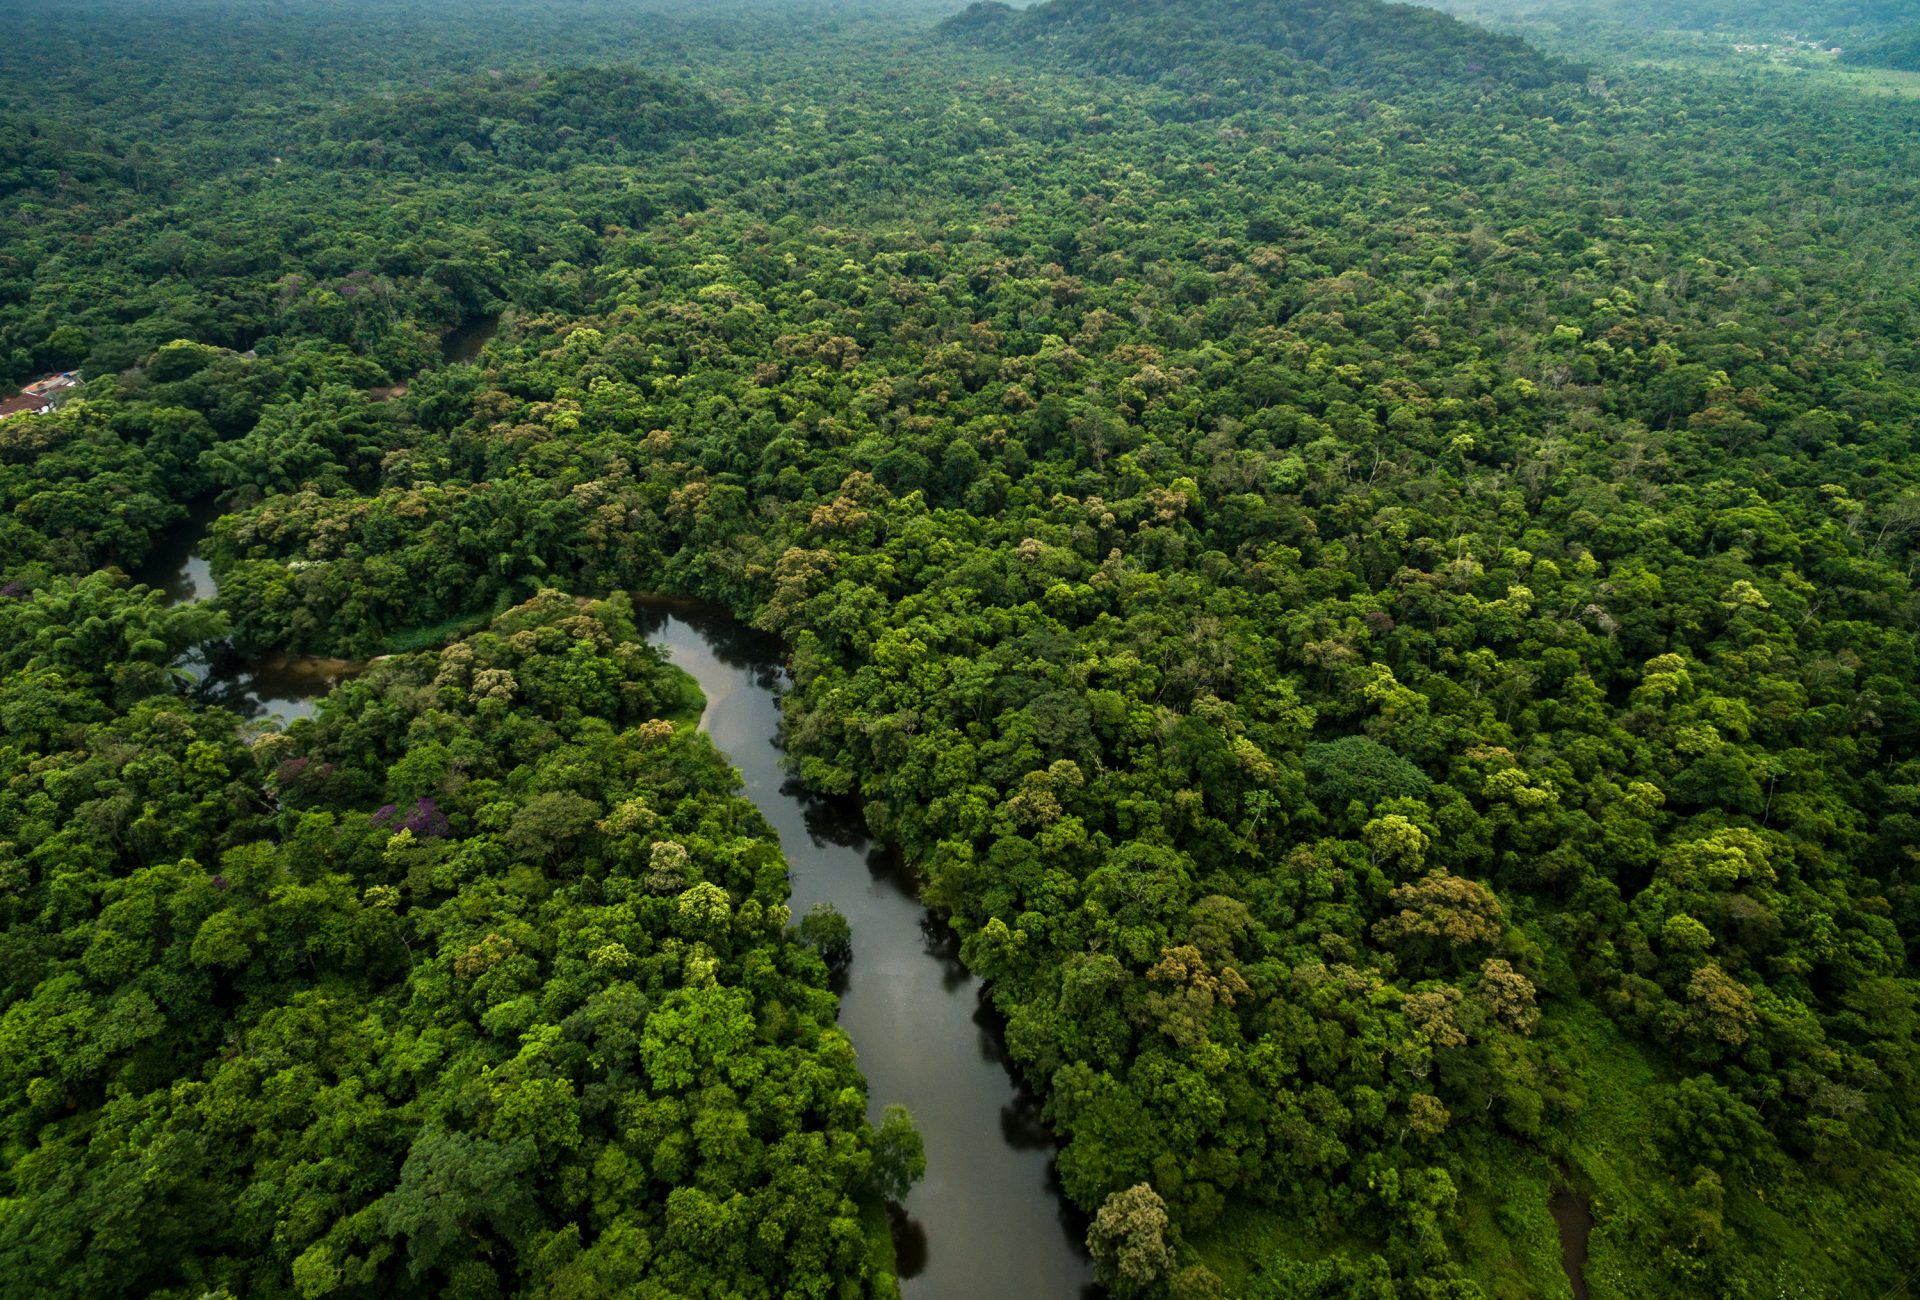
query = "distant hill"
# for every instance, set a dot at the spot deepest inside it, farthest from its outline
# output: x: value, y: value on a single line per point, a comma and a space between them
x: 1812, y: 18
x: 1271, y: 44
x: 1809, y: 16
x: 44, y: 157
x: 545, y: 120
x: 1898, y: 49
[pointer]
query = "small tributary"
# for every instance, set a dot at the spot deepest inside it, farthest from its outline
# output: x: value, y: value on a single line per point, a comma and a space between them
x: 1574, y: 1217
x: 989, y: 1219
x: 461, y: 345
x: 255, y: 686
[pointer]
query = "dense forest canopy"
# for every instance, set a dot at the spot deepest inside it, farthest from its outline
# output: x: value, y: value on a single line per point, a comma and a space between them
x: 1368, y: 570
x: 1899, y: 48
x: 548, y: 122
x: 1346, y: 42
x: 1788, y: 16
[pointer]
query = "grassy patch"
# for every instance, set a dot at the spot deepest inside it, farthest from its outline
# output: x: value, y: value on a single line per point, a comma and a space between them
x: 1504, y: 1236
x: 1610, y: 1146
x: 1247, y: 1241
x: 1508, y: 1241
x: 431, y: 636
x: 1811, y: 74
x: 1878, y: 81
x: 1787, y: 1233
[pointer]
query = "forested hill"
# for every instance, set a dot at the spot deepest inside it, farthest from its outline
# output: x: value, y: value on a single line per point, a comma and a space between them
x: 1289, y: 44
x: 539, y: 121
x: 1899, y: 49
x: 1811, y: 17
x: 218, y: 255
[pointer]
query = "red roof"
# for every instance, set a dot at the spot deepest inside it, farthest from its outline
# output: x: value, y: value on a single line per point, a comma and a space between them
x: 20, y: 402
x: 50, y: 384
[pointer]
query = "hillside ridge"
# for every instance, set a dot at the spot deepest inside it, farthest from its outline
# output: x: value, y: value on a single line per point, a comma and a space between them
x: 1288, y: 44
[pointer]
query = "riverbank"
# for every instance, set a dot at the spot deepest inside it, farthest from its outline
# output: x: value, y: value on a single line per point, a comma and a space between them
x: 272, y: 684
x: 989, y: 1218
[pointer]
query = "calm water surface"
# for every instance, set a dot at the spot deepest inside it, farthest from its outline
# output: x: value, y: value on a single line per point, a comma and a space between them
x: 270, y: 685
x: 988, y: 1222
x: 461, y: 345
x: 1574, y: 1217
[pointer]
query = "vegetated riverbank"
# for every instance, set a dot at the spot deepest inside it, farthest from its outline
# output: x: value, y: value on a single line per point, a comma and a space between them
x: 270, y: 684
x: 989, y: 1218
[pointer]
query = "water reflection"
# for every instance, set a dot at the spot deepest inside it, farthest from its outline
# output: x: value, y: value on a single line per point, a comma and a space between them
x: 284, y: 686
x: 462, y: 344
x: 909, y: 1243
x: 269, y: 685
x: 989, y: 1219
x: 175, y: 565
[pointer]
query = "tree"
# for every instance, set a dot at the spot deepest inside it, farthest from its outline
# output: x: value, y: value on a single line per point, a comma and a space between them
x: 1128, y: 1238
x: 826, y: 931
x: 899, y: 1157
x: 453, y: 1189
x: 1356, y: 769
x: 1722, y: 1006
x: 1442, y: 914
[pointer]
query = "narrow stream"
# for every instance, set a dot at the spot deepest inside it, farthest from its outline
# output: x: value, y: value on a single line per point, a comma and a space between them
x: 276, y: 685
x: 989, y: 1219
x: 1574, y: 1218
x: 461, y: 345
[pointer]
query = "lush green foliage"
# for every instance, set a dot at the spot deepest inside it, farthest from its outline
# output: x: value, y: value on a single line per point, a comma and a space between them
x: 551, y: 123
x: 1897, y: 49
x: 1371, y: 574
x: 479, y: 980
x: 1268, y: 44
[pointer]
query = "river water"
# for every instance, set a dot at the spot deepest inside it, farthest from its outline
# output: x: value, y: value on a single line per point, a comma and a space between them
x: 988, y: 1222
x: 271, y: 685
x: 461, y: 345
x: 1574, y: 1218
x: 989, y: 1219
